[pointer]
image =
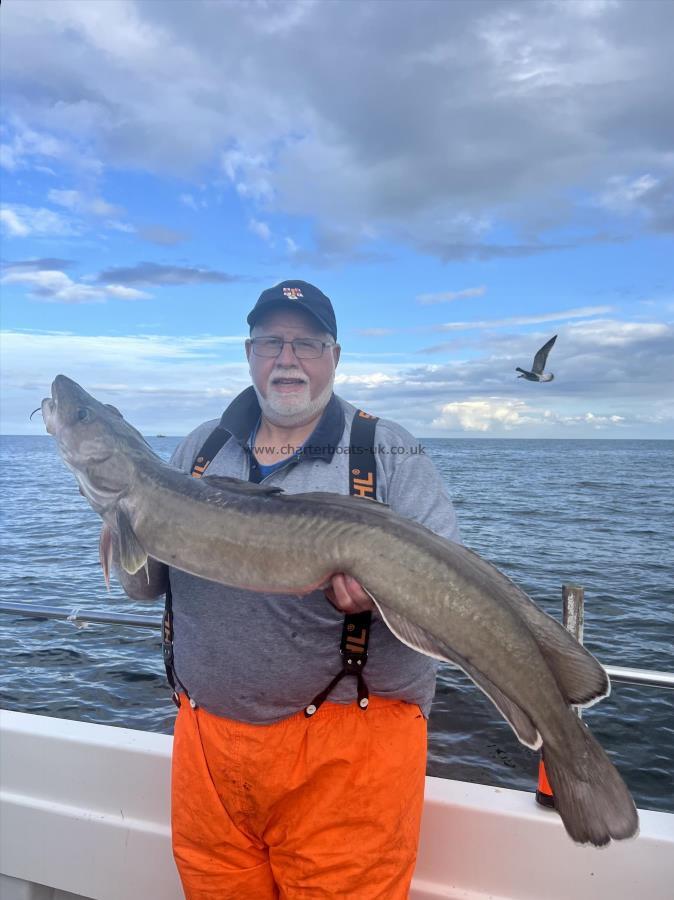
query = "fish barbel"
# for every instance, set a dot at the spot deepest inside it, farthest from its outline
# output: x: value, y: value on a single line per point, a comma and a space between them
x: 436, y: 596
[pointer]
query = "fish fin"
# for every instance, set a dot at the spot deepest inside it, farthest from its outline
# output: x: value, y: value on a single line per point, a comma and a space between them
x: 245, y: 487
x: 345, y: 501
x: 105, y: 552
x: 525, y: 730
x: 411, y: 635
x: 581, y: 678
x: 132, y: 556
x: 419, y: 639
x: 590, y: 794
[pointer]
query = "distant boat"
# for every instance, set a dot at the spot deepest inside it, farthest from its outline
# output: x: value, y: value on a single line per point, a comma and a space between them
x: 161, y: 435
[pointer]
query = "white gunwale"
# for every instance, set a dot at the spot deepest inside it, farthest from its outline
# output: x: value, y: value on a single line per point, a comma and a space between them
x: 84, y: 812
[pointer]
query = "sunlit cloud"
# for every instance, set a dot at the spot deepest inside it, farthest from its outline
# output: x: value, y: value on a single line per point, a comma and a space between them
x: 20, y: 221
x: 56, y: 287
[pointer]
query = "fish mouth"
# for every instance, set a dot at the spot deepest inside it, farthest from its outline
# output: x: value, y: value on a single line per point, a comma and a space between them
x: 61, y: 386
x: 48, y: 410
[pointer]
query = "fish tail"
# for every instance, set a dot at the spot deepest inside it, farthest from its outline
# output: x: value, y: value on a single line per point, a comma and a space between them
x: 590, y: 794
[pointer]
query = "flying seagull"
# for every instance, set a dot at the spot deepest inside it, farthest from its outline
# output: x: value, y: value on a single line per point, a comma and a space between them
x: 537, y: 373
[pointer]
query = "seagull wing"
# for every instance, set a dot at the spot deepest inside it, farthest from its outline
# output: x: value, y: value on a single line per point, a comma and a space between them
x: 541, y: 357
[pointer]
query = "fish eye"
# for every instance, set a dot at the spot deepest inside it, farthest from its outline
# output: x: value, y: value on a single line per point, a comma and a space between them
x: 83, y: 414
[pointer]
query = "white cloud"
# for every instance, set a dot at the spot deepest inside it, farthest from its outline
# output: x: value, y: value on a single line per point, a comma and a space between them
x: 56, y: 287
x: 483, y: 414
x: 8, y: 159
x: 560, y: 316
x: 449, y: 296
x: 250, y: 174
x: 374, y: 332
x: 79, y: 202
x: 529, y: 108
x: 188, y: 200
x: 28, y: 147
x: 261, y: 229
x: 28, y: 221
x: 491, y: 414
x: 622, y: 193
x: 367, y: 379
x: 607, y: 333
x: 494, y: 414
x: 15, y: 227
x: 161, y: 383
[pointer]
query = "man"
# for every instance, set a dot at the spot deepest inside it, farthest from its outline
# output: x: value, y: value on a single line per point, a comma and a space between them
x: 275, y: 791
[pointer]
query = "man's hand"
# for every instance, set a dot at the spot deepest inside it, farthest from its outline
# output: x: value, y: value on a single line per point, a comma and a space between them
x: 347, y: 595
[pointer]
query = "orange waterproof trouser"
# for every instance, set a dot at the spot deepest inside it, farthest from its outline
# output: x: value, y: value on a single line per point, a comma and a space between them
x: 326, y: 807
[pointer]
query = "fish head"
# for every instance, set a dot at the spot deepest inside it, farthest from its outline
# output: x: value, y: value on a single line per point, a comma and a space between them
x: 94, y: 440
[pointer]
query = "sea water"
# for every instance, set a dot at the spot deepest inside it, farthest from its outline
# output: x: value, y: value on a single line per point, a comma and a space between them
x: 597, y: 513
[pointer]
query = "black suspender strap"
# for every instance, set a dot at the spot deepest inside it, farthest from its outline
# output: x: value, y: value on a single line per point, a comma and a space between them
x: 215, y: 441
x: 213, y: 444
x: 356, y: 629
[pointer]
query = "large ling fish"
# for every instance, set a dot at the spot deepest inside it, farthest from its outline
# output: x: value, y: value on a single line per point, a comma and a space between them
x: 436, y: 596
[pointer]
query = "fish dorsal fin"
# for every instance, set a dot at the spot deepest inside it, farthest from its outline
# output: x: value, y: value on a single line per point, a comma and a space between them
x: 346, y: 501
x: 235, y: 484
x: 420, y: 640
x: 132, y: 555
x: 580, y: 677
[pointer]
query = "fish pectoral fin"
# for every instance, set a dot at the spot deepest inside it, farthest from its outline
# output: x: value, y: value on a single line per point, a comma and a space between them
x: 105, y: 552
x: 245, y: 487
x: 419, y: 639
x: 132, y: 555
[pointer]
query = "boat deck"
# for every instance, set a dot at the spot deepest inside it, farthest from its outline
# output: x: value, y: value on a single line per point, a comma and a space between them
x: 84, y: 813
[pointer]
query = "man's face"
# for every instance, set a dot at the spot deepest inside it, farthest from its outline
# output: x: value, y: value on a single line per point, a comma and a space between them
x: 291, y: 390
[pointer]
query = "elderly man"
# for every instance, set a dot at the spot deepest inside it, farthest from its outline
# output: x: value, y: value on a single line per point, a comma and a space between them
x: 291, y: 778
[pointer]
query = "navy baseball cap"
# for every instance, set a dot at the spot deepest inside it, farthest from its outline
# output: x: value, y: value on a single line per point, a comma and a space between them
x: 294, y: 294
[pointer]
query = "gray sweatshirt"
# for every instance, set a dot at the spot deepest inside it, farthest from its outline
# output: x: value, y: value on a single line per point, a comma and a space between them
x: 259, y: 658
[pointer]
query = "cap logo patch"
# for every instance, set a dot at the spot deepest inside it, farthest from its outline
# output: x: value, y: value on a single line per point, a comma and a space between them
x: 292, y: 293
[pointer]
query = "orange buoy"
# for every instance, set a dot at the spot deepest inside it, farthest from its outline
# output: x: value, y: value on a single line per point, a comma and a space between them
x: 544, y: 794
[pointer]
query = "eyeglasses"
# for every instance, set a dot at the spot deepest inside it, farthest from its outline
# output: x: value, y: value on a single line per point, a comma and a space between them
x: 303, y: 348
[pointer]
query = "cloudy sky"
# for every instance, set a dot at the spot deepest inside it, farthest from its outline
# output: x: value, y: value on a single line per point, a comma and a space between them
x: 463, y: 179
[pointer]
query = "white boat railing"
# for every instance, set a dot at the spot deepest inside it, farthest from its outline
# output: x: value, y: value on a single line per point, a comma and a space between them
x: 85, y: 814
x: 78, y: 617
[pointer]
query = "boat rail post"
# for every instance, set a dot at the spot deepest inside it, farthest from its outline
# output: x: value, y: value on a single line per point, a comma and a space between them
x: 573, y: 619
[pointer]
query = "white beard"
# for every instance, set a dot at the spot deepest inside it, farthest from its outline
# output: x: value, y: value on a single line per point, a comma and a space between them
x: 291, y: 410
